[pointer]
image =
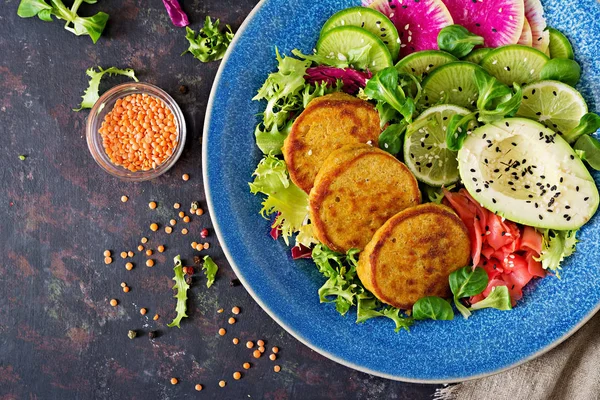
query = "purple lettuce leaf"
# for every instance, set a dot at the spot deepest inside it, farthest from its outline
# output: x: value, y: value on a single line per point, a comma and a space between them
x: 352, y: 79
x: 178, y: 16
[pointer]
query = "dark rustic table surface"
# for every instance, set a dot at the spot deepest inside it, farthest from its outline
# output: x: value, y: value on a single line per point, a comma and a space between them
x: 59, y: 337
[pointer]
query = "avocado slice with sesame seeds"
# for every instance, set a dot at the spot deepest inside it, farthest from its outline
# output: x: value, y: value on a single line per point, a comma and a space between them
x: 528, y: 174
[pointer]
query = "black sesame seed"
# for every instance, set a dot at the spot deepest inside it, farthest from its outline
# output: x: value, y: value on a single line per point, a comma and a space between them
x: 429, y: 165
x: 496, y: 170
x: 507, y: 124
x: 586, y: 198
x: 477, y: 190
x: 533, y: 91
x: 541, y: 216
x: 572, y: 157
x: 568, y: 207
x: 553, y: 188
x: 460, y: 89
x: 577, y: 188
x: 472, y: 170
x: 494, y: 201
x: 525, y: 97
x: 538, y: 113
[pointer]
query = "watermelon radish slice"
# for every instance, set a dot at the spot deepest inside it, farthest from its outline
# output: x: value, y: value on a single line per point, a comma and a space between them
x: 526, y: 38
x: 534, y: 12
x: 499, y: 22
x: 418, y: 22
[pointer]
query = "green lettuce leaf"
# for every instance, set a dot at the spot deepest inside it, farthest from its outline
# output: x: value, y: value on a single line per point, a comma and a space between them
x: 210, y: 44
x: 556, y: 246
x: 499, y: 298
x: 283, y: 197
x: 210, y: 270
x: 369, y: 307
x: 306, y: 236
x: 92, y: 94
x: 357, y: 58
x: 181, y: 294
x: 433, y: 307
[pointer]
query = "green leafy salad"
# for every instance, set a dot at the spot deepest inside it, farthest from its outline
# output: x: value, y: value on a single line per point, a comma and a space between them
x: 490, y: 125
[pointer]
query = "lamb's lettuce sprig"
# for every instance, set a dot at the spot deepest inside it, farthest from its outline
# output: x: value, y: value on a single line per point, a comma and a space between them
x: 457, y: 40
x: 92, y: 26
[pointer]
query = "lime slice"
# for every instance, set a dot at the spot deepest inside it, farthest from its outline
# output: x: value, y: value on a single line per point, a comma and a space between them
x: 340, y: 42
x: 560, y: 47
x: 421, y: 63
x: 425, y: 150
x: 477, y: 55
x: 452, y: 83
x: 515, y: 63
x: 370, y: 20
x: 554, y: 104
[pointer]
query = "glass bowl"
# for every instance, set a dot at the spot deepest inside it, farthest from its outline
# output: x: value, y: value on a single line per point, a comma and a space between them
x: 105, y: 104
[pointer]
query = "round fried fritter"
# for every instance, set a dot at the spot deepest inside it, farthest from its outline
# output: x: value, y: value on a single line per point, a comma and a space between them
x: 357, y: 189
x: 412, y: 255
x: 328, y: 123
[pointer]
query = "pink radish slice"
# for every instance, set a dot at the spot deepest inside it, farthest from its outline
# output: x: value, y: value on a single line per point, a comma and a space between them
x: 418, y: 22
x: 526, y: 38
x: 499, y: 22
x: 534, y: 12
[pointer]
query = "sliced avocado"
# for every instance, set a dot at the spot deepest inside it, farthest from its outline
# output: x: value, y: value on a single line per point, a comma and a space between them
x: 525, y: 172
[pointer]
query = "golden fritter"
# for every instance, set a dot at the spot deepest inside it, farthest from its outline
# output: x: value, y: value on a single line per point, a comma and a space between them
x: 357, y: 189
x: 328, y: 123
x: 412, y: 255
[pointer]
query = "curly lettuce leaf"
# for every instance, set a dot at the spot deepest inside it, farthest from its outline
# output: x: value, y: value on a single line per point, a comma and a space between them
x: 210, y: 270
x: 92, y: 26
x: 357, y: 58
x: 556, y: 246
x: 92, y: 94
x: 369, y: 307
x: 181, y: 294
x: 306, y: 236
x: 210, y: 44
x: 283, y: 197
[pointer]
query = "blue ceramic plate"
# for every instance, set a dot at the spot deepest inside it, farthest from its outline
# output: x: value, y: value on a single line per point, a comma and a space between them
x: 490, y: 341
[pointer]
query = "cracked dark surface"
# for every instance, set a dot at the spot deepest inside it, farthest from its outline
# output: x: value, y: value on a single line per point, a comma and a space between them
x: 59, y: 337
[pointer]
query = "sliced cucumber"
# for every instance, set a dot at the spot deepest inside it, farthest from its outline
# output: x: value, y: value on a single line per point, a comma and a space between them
x: 422, y: 63
x: 452, y: 83
x: 370, y: 20
x: 425, y: 150
x: 560, y: 47
x: 524, y: 172
x: 342, y: 41
x: 515, y: 64
x: 477, y: 55
x: 554, y: 104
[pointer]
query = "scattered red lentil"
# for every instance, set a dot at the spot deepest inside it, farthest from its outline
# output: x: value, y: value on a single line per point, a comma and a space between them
x: 261, y: 349
x: 144, y: 240
x: 246, y: 365
x: 235, y: 310
x: 260, y: 343
x: 199, y: 247
x: 220, y: 310
x: 272, y: 357
x: 181, y: 214
x: 222, y: 383
x: 168, y: 229
x: 275, y: 350
x: 186, y: 219
x: 198, y: 387
x: 236, y: 340
x: 123, y: 284
x: 123, y: 254
x: 152, y: 205
x: 176, y: 206
x: 194, y: 244
x: 174, y: 381
x: 172, y: 222
x: 126, y: 289
x: 277, y: 368
x: 150, y: 263
x: 107, y: 260
x: 199, y: 211
x: 153, y: 227
x: 249, y: 344
x: 256, y: 354
x: 206, y: 246
x: 124, y: 199
x: 106, y: 253
x: 222, y: 332
x: 192, y: 211
x: 149, y: 252
x: 160, y: 248
x: 140, y: 248
x: 237, y: 375
x: 184, y: 231
x: 139, y: 133
x: 143, y: 311
x: 114, y: 302
x: 130, y: 253
x: 185, y: 177
x: 156, y: 317
x: 129, y: 266
x: 231, y: 321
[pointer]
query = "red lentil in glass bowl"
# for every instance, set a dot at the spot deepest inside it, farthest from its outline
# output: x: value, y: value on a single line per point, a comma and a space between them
x: 136, y: 131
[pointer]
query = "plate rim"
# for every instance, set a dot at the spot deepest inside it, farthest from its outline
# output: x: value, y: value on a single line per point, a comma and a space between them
x: 297, y: 335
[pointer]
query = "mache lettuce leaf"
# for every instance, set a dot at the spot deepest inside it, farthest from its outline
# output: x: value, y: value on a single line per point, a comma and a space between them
x: 182, y: 287
x: 210, y: 44
x: 285, y: 199
x: 210, y: 270
x: 91, y: 94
